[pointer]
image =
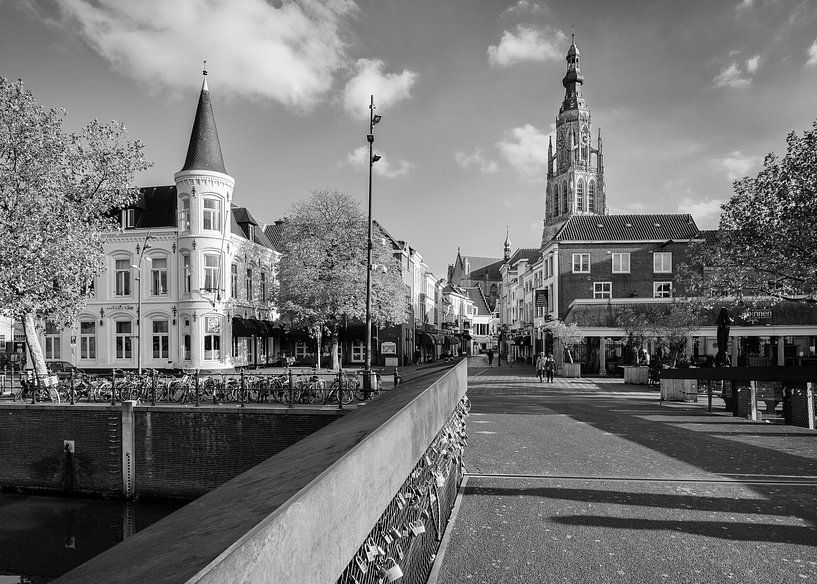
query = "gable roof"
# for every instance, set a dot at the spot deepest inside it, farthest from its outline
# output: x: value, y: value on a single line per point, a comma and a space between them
x: 478, y: 262
x: 659, y: 227
x: 525, y: 253
x: 479, y: 300
x: 241, y: 217
x: 491, y: 271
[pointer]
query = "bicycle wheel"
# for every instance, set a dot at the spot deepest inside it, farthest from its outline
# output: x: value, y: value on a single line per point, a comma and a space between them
x: 346, y: 396
x: 54, y: 394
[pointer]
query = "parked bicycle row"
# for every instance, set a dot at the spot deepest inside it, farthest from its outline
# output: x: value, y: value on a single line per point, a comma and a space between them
x: 290, y: 387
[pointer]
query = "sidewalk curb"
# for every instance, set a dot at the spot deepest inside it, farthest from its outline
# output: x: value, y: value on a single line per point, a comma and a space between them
x: 438, y: 560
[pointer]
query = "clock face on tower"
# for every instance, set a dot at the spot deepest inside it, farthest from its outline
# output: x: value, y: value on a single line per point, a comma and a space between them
x: 585, y: 139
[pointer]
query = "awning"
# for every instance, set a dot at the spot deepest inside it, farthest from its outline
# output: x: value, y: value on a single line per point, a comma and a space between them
x: 425, y: 338
x: 247, y: 327
x: 523, y: 341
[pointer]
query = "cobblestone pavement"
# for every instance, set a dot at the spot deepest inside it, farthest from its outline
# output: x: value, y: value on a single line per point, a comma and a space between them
x: 592, y: 480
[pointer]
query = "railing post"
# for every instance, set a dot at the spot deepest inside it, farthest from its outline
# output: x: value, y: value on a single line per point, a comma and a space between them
x: 113, y: 387
x: 753, y: 400
x: 810, y: 404
x: 71, y: 388
x: 340, y: 388
x: 153, y: 387
x: 242, y: 389
x: 709, y: 383
x: 196, y: 382
x: 396, y: 377
x: 289, y: 374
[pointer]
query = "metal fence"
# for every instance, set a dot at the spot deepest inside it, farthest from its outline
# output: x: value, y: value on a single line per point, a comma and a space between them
x: 290, y: 388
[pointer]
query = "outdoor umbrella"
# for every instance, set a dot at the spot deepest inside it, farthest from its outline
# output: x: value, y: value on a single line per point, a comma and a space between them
x: 723, y: 336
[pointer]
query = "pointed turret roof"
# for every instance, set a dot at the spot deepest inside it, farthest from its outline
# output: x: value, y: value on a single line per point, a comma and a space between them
x: 204, y: 151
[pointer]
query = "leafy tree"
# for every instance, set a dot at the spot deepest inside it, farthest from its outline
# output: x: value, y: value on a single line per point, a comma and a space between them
x: 671, y: 325
x: 58, y: 190
x: 322, y: 273
x: 569, y: 335
x: 638, y: 326
x: 766, y: 244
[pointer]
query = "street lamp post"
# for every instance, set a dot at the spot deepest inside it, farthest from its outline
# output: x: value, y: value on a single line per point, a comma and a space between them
x: 367, y: 373
x: 138, y: 268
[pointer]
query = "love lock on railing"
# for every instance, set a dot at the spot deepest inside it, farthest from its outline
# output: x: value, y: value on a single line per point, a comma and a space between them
x: 404, y: 542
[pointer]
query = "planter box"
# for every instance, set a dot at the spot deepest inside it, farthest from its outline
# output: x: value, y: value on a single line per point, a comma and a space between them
x: 570, y: 370
x: 679, y: 390
x: 636, y: 374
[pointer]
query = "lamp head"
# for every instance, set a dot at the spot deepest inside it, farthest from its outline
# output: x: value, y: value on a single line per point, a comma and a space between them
x: 376, y: 118
x: 375, y: 157
x: 370, y: 138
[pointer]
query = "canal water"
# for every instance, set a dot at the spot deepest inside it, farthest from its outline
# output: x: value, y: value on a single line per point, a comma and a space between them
x: 42, y: 538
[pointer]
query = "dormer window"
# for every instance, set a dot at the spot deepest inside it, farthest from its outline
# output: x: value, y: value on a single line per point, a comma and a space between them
x: 128, y: 218
x: 250, y: 231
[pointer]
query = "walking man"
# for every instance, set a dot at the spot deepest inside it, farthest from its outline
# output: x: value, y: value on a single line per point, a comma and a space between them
x: 550, y: 367
x: 490, y: 357
x: 540, y: 367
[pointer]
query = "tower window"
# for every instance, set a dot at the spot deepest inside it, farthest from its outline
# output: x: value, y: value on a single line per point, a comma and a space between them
x: 184, y: 214
x: 591, y: 196
x: 212, y: 215
x: 565, y: 208
x: 580, y: 196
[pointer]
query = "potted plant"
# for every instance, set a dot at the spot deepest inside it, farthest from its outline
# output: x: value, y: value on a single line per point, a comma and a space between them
x: 569, y: 335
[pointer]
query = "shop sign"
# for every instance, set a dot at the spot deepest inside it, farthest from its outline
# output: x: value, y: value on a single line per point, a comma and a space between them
x: 756, y: 316
x: 388, y: 348
x: 212, y: 325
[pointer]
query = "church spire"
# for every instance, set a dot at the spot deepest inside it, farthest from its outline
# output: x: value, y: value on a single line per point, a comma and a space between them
x: 507, y: 250
x: 573, y: 79
x: 204, y: 151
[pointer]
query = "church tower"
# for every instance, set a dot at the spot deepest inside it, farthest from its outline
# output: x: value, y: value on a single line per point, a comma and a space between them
x: 575, y: 176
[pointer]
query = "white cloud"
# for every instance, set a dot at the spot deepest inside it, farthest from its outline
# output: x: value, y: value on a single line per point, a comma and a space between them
x: 812, y: 54
x: 387, y: 88
x: 736, y: 164
x: 744, y: 5
x: 732, y: 77
x: 527, y: 44
x: 476, y: 160
x: 288, y: 54
x: 526, y: 150
x: 385, y: 167
x: 524, y: 7
x: 707, y: 212
x: 752, y: 64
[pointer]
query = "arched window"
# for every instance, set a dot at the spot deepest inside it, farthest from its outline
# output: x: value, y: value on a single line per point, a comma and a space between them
x: 580, y: 195
x: 586, y: 145
x: 565, y: 207
x: 591, y: 197
x: 555, y: 204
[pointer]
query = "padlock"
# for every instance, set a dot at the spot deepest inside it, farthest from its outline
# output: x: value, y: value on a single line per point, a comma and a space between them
x: 399, y: 549
x: 395, y: 533
x: 387, y: 538
x: 417, y: 527
x: 380, y: 551
x: 393, y: 572
x: 440, y: 480
x: 361, y: 564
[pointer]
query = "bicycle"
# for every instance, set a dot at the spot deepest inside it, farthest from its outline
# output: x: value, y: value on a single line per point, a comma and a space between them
x: 33, y: 389
x: 362, y: 395
x: 341, y: 391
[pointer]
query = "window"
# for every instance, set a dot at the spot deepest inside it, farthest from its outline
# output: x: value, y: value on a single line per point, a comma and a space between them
x: 186, y: 277
x: 581, y: 263
x: 301, y: 350
x: 52, y: 341
x: 186, y: 356
x: 128, y: 218
x: 184, y: 214
x: 591, y: 197
x: 358, y: 350
x: 580, y: 196
x: 602, y: 290
x: 263, y: 287
x: 161, y: 340
x: 564, y: 208
x: 234, y: 281
x: 662, y: 262
x: 212, y: 347
x: 211, y: 272
x: 158, y: 277
x: 621, y: 263
x: 124, y: 349
x: 212, y: 215
x: 122, y: 278
x: 662, y: 289
x: 87, y: 340
x: 249, y: 283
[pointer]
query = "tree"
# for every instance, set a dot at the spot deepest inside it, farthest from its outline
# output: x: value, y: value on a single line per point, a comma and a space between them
x: 766, y: 244
x: 671, y: 325
x: 322, y: 272
x: 569, y: 335
x: 637, y: 323
x: 58, y: 191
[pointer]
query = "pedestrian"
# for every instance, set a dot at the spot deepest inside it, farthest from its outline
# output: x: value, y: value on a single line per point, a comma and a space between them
x: 490, y: 357
x: 550, y: 367
x: 540, y: 367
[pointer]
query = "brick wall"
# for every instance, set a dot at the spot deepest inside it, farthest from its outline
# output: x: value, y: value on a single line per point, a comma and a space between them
x: 188, y: 453
x: 32, y: 455
x: 639, y: 280
x: 180, y: 451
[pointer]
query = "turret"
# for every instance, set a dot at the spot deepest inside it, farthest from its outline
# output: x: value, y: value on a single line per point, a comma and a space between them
x: 550, y: 156
x: 599, y: 157
x: 507, y: 250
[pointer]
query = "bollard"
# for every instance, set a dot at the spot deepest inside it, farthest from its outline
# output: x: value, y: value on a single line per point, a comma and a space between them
x: 153, y: 387
x: 243, y: 387
x: 396, y: 377
x: 113, y: 387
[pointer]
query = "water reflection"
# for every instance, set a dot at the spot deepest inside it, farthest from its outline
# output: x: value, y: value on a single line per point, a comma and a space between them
x: 42, y: 538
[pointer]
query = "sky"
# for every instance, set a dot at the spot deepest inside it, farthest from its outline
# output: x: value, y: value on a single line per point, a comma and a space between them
x: 689, y: 96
